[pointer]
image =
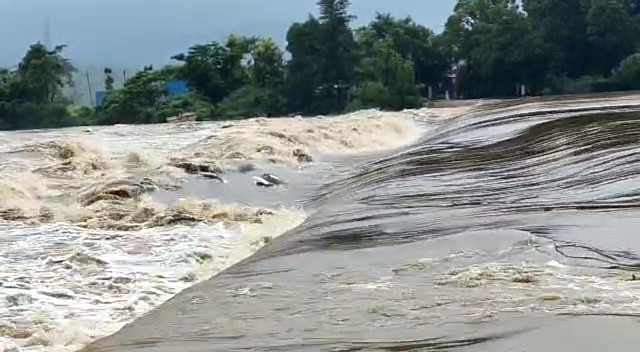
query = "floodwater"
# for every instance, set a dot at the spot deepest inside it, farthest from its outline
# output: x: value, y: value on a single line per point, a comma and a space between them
x: 99, y: 226
x: 510, y: 227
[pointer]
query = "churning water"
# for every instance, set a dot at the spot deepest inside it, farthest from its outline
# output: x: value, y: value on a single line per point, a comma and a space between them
x: 510, y: 227
x: 98, y: 226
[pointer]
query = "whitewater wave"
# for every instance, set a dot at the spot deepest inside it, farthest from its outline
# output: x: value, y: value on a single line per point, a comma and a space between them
x: 108, y: 225
x: 292, y: 141
x: 508, y: 218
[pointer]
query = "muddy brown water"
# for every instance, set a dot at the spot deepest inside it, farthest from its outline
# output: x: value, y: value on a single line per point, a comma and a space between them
x: 510, y: 228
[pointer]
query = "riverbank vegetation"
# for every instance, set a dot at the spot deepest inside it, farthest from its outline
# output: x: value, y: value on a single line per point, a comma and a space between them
x: 493, y: 48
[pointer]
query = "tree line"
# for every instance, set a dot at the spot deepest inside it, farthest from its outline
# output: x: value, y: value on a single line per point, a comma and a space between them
x: 488, y: 49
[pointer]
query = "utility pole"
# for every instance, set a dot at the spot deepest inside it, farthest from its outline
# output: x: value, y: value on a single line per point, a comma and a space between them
x: 47, y: 34
x: 91, y: 97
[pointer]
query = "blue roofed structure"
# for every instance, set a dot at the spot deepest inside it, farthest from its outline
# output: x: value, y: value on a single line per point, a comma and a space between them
x: 176, y: 87
x: 173, y: 87
x: 99, y: 95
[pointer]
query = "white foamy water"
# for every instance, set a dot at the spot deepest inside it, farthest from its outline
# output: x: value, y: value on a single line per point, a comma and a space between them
x: 66, y: 281
x: 65, y: 286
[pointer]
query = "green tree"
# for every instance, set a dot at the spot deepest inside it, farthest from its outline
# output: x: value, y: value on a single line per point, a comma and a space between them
x: 108, y: 79
x: 497, y: 47
x: 263, y: 93
x: 336, y: 56
x: 31, y: 96
x: 629, y: 70
x: 562, y: 25
x: 136, y: 101
x: 493, y: 46
x: 388, y: 80
x: 43, y: 73
x: 303, y: 69
x: 214, y: 70
x: 608, y: 28
x: 411, y: 41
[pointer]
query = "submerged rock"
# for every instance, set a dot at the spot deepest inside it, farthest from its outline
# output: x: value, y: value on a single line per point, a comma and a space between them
x: 267, y: 180
x: 302, y: 156
x: 244, y: 168
x: 213, y: 176
x: 196, y: 168
x: 114, y: 193
x: 119, y: 190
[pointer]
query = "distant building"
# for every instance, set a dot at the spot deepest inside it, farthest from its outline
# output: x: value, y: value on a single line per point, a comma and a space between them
x: 100, y: 94
x: 175, y: 87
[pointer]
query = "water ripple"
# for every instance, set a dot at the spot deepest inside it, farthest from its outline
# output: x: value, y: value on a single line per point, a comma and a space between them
x: 500, y: 223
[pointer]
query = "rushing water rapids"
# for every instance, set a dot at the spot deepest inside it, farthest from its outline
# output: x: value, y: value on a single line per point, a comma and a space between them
x: 98, y: 226
x: 508, y: 227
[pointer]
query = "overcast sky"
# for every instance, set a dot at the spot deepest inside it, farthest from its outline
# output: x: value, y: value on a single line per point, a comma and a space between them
x: 138, y: 32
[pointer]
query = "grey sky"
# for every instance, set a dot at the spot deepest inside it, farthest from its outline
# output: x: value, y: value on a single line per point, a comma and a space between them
x: 137, y: 32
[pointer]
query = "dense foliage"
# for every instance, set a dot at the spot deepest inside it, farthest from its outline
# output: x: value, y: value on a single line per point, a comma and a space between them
x: 495, y: 48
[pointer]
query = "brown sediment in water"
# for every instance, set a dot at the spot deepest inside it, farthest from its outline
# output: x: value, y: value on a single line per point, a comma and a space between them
x: 130, y: 216
x: 108, y: 189
x: 294, y: 141
x: 479, y: 286
x: 73, y: 182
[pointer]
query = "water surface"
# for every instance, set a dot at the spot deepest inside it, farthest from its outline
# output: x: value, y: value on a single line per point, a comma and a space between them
x: 511, y: 227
